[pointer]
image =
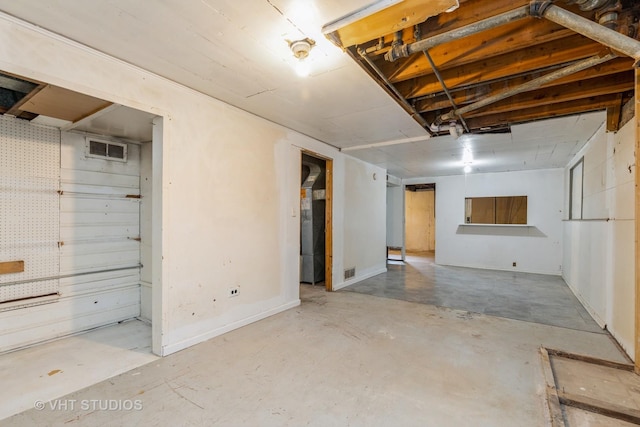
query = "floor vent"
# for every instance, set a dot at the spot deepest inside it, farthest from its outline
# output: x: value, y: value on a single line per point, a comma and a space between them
x: 349, y: 273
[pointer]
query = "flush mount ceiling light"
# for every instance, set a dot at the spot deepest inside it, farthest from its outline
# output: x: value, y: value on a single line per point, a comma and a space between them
x: 300, y: 50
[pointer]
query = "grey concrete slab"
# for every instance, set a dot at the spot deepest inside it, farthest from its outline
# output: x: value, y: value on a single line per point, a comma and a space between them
x: 528, y: 297
x: 341, y: 359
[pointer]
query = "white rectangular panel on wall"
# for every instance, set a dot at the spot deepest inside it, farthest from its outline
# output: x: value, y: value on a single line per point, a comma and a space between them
x: 29, y: 218
x: 99, y: 220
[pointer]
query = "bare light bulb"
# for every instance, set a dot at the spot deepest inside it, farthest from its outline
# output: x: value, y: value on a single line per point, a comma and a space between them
x: 302, y: 68
x: 300, y: 50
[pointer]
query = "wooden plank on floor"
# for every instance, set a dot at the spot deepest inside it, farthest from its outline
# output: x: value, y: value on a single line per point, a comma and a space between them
x: 553, y: 402
x: 589, y: 359
x: 600, y: 407
x: 11, y: 267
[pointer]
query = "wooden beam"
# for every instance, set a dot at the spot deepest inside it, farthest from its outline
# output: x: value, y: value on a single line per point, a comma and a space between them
x: 570, y: 92
x: 637, y: 225
x: 553, y: 402
x: 480, y: 47
x: 613, y: 116
x: 10, y: 267
x: 547, y: 111
x: 404, y: 14
x: 475, y: 93
x: 468, y: 13
x: 590, y: 359
x: 608, y: 409
x: 328, y: 230
x: 519, y: 62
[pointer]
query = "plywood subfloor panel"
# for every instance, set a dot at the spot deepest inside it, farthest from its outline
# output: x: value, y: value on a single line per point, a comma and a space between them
x: 575, y: 417
x: 53, y: 101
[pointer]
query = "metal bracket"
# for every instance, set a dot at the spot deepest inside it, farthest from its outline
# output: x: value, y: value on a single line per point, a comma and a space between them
x: 537, y: 8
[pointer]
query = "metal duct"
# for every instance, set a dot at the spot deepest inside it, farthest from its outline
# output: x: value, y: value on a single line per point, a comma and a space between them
x: 405, y: 50
x: 590, y: 29
x: 312, y: 208
x: 590, y: 4
x: 537, y: 8
x: 532, y: 85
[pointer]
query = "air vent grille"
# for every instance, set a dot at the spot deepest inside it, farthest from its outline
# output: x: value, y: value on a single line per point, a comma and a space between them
x: 107, y: 150
x: 349, y: 273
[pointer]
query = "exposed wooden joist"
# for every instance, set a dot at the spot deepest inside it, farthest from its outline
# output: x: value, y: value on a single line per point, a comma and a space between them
x: 402, y: 15
x: 469, y: 13
x: 597, y: 406
x: 508, y: 38
x: 613, y: 116
x: 570, y: 92
x: 519, y: 62
x: 547, y: 111
x: 612, y: 69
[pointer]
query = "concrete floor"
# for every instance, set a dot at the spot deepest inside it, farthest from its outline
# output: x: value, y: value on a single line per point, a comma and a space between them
x: 57, y: 368
x: 340, y: 359
x: 522, y: 296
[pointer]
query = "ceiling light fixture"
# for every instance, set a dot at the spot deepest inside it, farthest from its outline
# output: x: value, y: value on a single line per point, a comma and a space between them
x: 300, y: 50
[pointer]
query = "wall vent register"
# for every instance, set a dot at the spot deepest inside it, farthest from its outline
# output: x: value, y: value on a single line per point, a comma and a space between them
x: 106, y: 150
x: 349, y: 273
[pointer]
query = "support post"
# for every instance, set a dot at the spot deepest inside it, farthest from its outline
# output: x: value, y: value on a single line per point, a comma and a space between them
x: 637, y: 225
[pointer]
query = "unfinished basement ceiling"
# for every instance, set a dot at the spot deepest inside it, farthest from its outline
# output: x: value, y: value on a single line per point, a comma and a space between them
x: 237, y: 51
x: 486, y: 48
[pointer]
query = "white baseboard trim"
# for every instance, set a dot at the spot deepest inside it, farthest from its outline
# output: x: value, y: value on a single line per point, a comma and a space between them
x: 172, y: 348
x: 587, y: 306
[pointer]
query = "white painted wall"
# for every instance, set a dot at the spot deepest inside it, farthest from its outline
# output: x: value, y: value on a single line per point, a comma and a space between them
x: 225, y: 195
x: 97, y: 225
x: 535, y: 250
x: 146, y: 231
x: 365, y: 195
x: 599, y: 254
x: 395, y: 216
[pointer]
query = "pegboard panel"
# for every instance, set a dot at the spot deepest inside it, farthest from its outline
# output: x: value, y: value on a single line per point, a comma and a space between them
x: 29, y: 213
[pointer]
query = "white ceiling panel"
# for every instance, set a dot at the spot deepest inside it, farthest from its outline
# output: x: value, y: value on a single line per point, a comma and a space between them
x: 236, y: 51
x: 540, y: 145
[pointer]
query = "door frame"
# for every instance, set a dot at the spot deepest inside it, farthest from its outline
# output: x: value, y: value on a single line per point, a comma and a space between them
x: 328, y: 217
x: 404, y: 217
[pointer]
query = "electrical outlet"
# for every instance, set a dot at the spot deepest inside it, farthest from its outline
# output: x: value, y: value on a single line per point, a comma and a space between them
x: 514, y: 263
x: 234, y: 292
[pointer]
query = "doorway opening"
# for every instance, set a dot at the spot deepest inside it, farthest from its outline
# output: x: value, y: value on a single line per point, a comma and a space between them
x: 420, y: 218
x: 316, y: 190
x: 92, y: 211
